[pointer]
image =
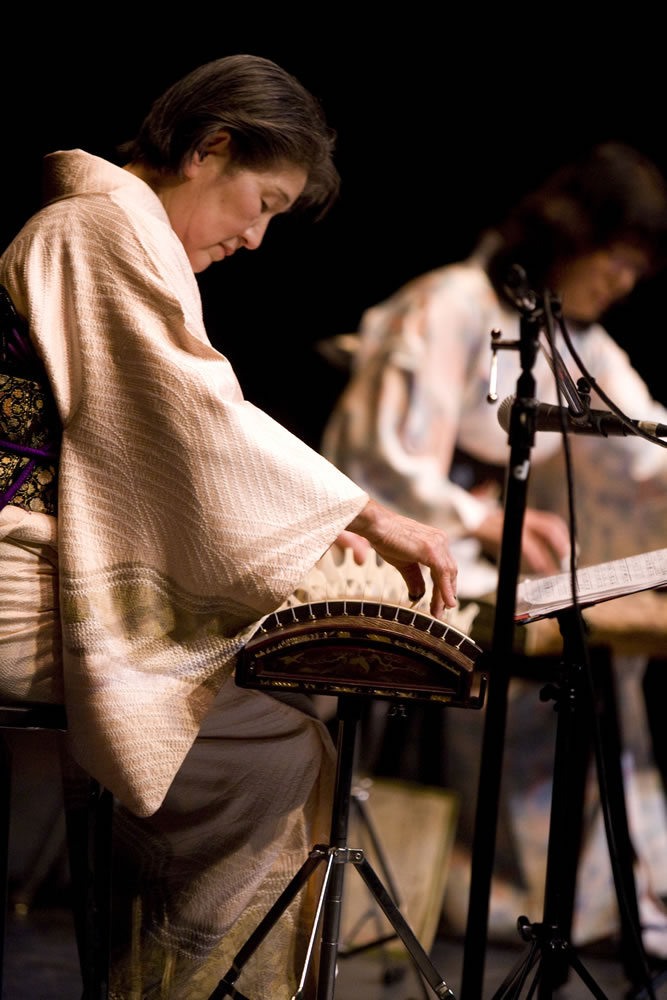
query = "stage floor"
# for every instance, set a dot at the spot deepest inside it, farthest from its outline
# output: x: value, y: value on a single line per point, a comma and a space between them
x: 41, y: 964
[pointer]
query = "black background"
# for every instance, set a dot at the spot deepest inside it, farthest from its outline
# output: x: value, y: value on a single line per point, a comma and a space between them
x: 442, y: 123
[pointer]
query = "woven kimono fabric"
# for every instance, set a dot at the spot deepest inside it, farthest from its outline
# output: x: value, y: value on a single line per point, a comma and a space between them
x: 185, y: 513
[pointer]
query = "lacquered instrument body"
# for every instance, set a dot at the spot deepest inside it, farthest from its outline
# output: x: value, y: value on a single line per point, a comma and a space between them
x: 362, y: 647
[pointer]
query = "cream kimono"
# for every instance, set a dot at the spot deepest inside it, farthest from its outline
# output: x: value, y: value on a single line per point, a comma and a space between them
x: 185, y: 514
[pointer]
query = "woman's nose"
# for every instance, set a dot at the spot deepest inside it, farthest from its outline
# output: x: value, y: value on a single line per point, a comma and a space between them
x: 626, y: 267
x: 253, y: 235
x: 624, y: 279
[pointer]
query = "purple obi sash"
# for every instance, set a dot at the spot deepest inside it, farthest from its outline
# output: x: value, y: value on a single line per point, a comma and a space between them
x: 29, y: 425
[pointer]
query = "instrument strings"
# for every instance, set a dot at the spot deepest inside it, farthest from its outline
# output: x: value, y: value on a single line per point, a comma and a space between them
x: 337, y: 577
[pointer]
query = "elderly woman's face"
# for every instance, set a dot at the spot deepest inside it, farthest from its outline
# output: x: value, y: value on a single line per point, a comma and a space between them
x: 216, y: 209
x: 591, y: 283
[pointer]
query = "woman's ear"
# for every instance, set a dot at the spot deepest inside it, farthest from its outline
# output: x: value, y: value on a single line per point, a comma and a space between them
x: 216, y: 145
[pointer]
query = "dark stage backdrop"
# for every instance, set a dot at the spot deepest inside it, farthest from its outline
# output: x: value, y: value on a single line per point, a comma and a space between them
x: 439, y: 130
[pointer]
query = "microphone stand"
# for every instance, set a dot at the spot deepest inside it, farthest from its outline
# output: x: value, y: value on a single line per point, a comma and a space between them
x: 549, y: 940
x: 521, y: 439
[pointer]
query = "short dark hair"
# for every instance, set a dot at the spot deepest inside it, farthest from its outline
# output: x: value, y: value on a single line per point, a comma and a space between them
x: 270, y: 116
x: 614, y: 194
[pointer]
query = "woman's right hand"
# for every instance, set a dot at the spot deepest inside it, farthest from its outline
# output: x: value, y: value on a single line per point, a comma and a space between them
x: 407, y: 545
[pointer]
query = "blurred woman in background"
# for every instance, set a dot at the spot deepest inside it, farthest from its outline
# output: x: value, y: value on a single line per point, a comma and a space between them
x: 414, y: 426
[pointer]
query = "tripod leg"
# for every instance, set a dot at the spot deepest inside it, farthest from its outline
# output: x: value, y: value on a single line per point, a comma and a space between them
x: 331, y: 929
x: 545, y: 949
x: 515, y: 979
x: 225, y: 987
x: 377, y: 847
x: 349, y: 713
x: 316, y: 923
x: 402, y: 928
x: 600, y: 700
x: 623, y: 856
x: 585, y: 976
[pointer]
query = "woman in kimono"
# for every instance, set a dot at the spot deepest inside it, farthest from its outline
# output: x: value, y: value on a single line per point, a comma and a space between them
x: 184, y: 515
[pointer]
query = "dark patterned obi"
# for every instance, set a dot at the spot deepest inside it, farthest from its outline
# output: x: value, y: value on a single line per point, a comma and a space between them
x: 29, y: 425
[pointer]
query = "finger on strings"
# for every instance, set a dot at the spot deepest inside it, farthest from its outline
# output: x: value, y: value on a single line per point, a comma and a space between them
x: 444, y: 589
x: 414, y: 581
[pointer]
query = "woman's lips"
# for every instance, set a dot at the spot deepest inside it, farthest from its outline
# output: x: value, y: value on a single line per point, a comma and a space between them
x: 219, y: 251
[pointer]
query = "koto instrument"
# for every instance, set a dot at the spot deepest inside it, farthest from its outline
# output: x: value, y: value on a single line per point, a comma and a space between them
x: 363, y: 647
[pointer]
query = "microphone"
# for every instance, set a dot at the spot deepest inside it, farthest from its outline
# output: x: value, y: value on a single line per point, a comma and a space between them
x: 602, y: 422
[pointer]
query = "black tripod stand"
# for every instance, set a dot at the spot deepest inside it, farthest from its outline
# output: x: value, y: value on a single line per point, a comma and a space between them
x: 334, y: 856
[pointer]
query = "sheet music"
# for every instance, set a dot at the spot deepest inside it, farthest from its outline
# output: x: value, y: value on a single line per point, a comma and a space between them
x: 544, y: 595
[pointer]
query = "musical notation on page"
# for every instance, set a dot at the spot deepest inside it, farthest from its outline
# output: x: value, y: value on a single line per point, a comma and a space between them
x: 543, y: 596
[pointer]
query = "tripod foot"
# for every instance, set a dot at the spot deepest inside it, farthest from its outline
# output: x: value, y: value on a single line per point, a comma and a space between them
x: 393, y: 975
x: 549, y: 958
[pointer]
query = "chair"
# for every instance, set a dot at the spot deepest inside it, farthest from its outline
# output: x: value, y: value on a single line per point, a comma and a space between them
x: 88, y: 814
